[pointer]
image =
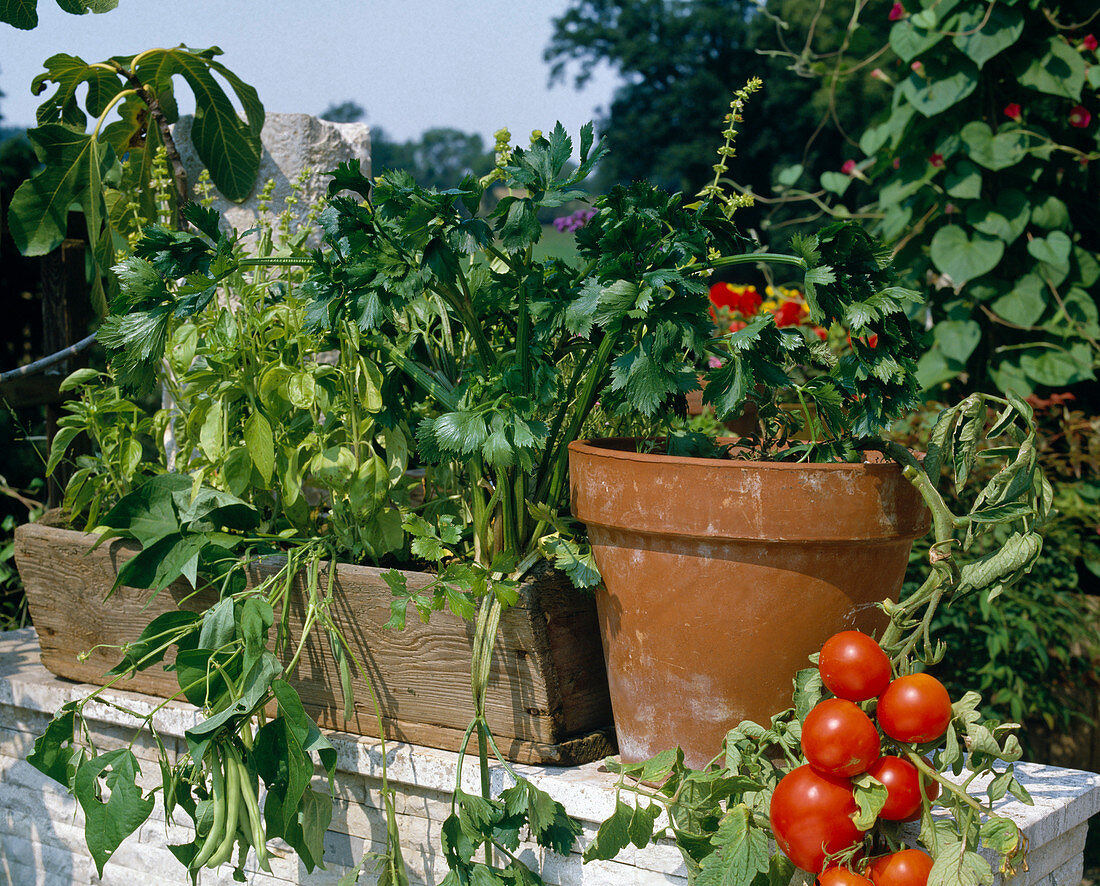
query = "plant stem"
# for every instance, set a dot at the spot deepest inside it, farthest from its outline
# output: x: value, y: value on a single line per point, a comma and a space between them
x: 922, y: 764
x: 774, y: 258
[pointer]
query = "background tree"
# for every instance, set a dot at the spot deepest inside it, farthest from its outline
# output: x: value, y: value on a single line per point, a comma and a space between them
x: 680, y: 62
x: 439, y: 158
x: 344, y: 112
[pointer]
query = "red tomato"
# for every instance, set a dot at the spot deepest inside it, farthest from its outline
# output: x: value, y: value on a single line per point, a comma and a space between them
x: 811, y: 817
x: 915, y: 708
x: 909, y: 867
x: 839, y: 739
x: 902, y: 782
x: 841, y: 877
x: 853, y: 666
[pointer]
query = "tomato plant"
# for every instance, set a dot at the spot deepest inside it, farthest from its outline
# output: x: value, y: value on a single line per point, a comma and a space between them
x: 909, y: 867
x: 853, y: 666
x: 839, y: 739
x: 914, y: 708
x: 902, y: 780
x: 841, y: 877
x: 811, y: 817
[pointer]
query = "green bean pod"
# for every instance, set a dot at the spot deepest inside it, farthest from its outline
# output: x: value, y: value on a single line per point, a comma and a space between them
x: 217, y: 797
x: 255, y: 827
x: 232, y: 806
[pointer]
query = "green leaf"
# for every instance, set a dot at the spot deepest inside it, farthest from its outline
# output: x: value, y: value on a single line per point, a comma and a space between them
x: 871, y: 796
x: 333, y: 467
x: 909, y: 41
x: 70, y: 72
x: 960, y: 868
x: 1025, y: 304
x: 1006, y: 219
x: 1006, y: 148
x: 642, y: 822
x: 964, y: 181
x: 788, y: 176
x: 1058, y: 368
x: 963, y: 258
x: 158, y: 565
x: 22, y: 14
x: 39, y: 210
x: 1081, y: 311
x: 1002, y: 835
x: 261, y: 444
x: 212, y: 431
x: 228, y: 146
x: 54, y: 753
x: 613, y: 834
x: 981, y: 34
x: 550, y: 825
x: 1050, y: 214
x: 740, y: 851
x: 520, y: 226
x: 108, y: 823
x: 302, y: 727
x: 315, y: 816
x: 1053, y: 249
x: 941, y: 86
x: 219, y: 626
x: 835, y: 182
x: 1060, y: 71
x: 60, y: 444
x: 78, y: 378
x: 575, y: 560
x: 147, y: 650
x: 957, y: 339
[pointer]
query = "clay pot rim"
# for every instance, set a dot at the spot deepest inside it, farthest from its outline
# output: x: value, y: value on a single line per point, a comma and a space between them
x: 622, y: 449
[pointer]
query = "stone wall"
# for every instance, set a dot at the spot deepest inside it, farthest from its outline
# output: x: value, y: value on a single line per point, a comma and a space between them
x: 41, y: 828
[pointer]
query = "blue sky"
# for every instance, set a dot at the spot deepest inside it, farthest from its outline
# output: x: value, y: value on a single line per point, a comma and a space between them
x: 475, y: 65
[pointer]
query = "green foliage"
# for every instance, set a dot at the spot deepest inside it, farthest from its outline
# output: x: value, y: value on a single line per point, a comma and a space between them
x: 223, y: 665
x: 981, y: 170
x: 85, y: 168
x: 1028, y: 649
x: 275, y: 434
x: 23, y: 14
x: 680, y: 61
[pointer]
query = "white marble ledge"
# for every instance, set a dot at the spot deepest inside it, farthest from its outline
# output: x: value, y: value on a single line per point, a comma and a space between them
x: 1054, y: 826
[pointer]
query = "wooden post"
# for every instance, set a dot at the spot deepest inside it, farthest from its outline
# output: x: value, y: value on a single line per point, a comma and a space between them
x: 64, y: 321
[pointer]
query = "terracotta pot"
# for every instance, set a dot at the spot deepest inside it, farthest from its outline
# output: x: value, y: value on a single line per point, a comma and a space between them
x: 722, y: 576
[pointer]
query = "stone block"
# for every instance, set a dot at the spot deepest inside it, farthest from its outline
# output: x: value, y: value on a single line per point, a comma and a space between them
x: 292, y: 144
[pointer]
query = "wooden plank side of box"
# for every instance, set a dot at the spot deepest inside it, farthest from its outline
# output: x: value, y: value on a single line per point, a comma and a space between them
x: 547, y: 700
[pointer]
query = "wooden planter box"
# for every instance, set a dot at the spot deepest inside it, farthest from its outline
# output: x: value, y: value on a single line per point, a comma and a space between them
x: 547, y: 700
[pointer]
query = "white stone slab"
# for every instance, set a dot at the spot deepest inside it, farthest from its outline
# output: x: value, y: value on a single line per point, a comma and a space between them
x: 41, y: 826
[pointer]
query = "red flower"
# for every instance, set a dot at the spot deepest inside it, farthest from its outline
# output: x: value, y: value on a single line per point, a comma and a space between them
x: 749, y: 302
x: 723, y: 296
x: 936, y: 160
x: 897, y: 12
x: 1089, y: 42
x: 871, y: 341
x: 821, y: 333
x: 849, y: 167
x: 788, y: 314
x: 1080, y: 117
x: 737, y: 325
x: 1012, y: 111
